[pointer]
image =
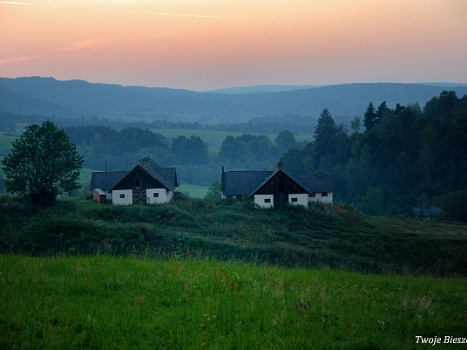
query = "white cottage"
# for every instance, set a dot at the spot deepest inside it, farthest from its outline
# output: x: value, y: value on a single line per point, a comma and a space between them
x: 146, y: 183
x: 278, y: 189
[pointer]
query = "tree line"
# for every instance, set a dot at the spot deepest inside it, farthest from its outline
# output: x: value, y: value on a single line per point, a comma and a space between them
x: 393, y: 159
x: 271, y: 124
x: 104, y: 148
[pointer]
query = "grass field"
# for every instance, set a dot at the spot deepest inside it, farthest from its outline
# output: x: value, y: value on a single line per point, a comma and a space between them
x: 5, y: 143
x: 193, y: 191
x: 104, y: 302
x: 214, y: 139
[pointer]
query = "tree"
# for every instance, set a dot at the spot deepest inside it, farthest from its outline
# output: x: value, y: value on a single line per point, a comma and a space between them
x: 42, y: 164
x: 190, y: 150
x: 214, y: 190
x: 356, y: 124
x: 382, y: 108
x: 369, y: 118
x: 285, y: 140
x: 454, y: 206
x: 325, y: 133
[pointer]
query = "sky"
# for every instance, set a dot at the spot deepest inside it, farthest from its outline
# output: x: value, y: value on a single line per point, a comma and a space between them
x: 207, y: 44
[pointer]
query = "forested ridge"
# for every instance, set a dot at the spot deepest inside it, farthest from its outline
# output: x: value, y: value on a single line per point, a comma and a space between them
x: 393, y: 159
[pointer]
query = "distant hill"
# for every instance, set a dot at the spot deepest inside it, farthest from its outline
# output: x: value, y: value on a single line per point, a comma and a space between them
x: 260, y: 88
x: 76, y: 98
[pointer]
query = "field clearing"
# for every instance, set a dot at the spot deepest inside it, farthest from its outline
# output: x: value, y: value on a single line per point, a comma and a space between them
x: 5, y: 143
x: 214, y: 139
x: 85, y: 176
x: 193, y: 191
x: 102, y: 302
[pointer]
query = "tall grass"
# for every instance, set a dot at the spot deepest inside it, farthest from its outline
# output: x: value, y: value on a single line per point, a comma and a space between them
x: 103, y: 302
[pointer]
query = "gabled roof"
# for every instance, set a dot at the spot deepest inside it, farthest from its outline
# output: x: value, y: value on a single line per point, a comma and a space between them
x: 107, y: 180
x: 279, y: 170
x: 248, y: 182
x: 166, y: 176
x: 239, y: 183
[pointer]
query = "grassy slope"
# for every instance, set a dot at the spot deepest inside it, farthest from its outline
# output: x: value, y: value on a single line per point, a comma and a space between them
x: 103, y: 302
x: 335, y: 236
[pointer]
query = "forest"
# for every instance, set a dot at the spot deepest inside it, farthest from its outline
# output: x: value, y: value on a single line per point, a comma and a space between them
x: 393, y: 159
x: 385, y: 162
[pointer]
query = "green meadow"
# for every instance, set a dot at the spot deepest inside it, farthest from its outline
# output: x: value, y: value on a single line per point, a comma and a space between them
x: 193, y: 191
x: 5, y: 143
x: 104, y: 302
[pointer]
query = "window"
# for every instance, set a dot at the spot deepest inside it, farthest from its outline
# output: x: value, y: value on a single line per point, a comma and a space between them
x: 293, y: 200
x: 138, y: 183
x: 122, y: 195
x: 267, y: 200
x: 324, y: 194
x: 281, y: 188
x: 155, y: 194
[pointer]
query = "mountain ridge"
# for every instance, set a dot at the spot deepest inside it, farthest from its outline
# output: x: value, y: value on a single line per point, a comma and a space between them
x: 79, y: 98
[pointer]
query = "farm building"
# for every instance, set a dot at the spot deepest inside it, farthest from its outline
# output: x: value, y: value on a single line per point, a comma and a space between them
x: 99, y: 196
x: 146, y: 183
x: 105, y: 181
x: 278, y: 189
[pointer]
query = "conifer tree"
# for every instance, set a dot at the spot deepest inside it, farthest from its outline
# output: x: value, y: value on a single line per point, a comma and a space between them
x: 369, y: 117
x: 325, y: 132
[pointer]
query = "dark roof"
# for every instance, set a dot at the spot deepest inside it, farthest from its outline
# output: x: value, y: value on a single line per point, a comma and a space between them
x: 317, y: 183
x: 107, y: 180
x: 166, y: 176
x: 239, y: 183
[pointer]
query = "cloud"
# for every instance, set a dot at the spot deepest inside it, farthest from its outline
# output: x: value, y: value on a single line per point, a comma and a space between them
x: 80, y: 45
x: 14, y: 3
x: 170, y: 14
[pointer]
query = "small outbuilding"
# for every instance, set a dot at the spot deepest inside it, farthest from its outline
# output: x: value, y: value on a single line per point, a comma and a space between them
x: 105, y: 181
x: 99, y: 195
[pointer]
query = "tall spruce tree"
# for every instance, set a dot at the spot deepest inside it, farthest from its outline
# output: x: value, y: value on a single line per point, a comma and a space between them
x: 369, y: 118
x: 325, y: 132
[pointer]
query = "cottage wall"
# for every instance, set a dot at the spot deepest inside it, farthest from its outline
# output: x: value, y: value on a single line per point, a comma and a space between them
x: 299, y: 199
x: 158, y: 196
x: 122, y: 197
x: 264, y: 200
x: 326, y: 198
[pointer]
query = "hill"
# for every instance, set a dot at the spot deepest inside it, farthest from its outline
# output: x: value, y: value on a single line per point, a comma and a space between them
x: 336, y: 236
x: 76, y: 98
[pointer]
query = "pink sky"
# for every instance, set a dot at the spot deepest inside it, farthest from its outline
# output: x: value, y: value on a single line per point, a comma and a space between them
x: 207, y: 44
